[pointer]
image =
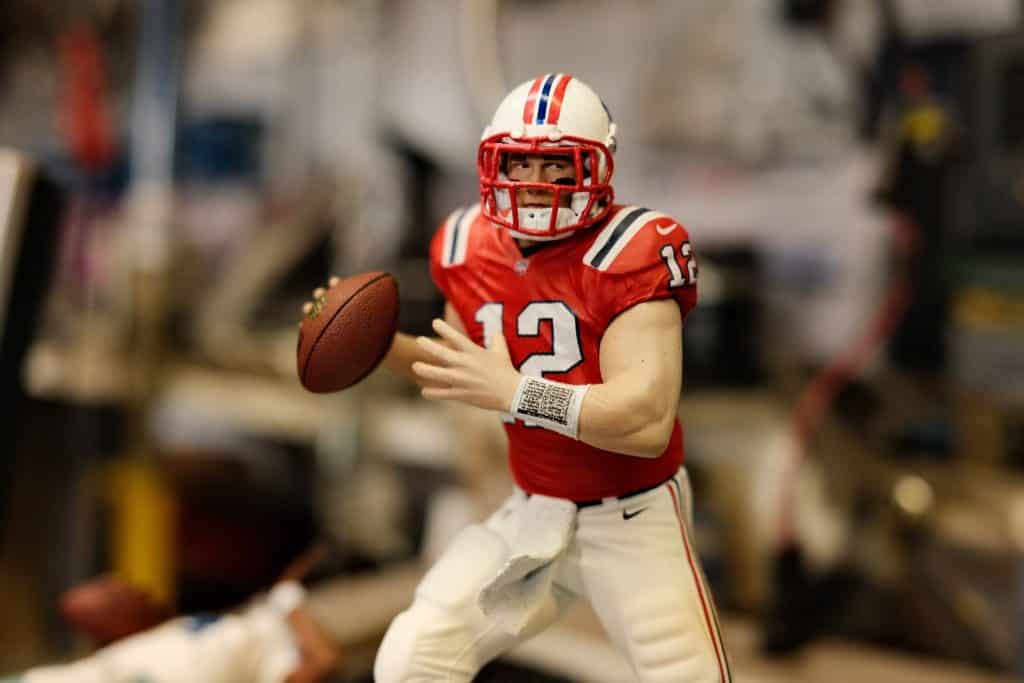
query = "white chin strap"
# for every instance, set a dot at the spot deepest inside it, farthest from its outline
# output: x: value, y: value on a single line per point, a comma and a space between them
x: 535, y: 218
x: 538, y: 218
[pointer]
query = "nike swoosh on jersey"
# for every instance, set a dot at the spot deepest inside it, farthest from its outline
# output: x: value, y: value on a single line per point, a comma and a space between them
x: 667, y: 229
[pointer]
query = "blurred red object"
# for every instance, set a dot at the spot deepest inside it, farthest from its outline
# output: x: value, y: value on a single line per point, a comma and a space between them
x: 84, y: 115
x: 108, y: 608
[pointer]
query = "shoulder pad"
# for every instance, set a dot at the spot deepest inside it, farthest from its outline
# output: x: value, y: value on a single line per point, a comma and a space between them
x: 455, y: 235
x: 629, y: 226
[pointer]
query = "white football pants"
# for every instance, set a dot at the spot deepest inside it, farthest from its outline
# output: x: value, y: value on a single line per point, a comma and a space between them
x: 632, y: 559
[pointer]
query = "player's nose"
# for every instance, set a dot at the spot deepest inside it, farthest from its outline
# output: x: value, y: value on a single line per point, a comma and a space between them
x: 535, y: 173
x: 532, y: 196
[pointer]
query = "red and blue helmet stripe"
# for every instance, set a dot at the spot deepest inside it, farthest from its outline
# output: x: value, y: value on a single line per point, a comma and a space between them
x: 544, y: 101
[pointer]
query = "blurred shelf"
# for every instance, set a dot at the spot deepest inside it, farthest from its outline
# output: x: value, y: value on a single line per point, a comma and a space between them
x: 268, y: 405
x: 265, y: 406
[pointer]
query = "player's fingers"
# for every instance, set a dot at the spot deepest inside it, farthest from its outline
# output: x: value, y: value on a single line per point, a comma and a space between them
x: 319, y: 292
x: 427, y: 383
x: 442, y: 393
x: 333, y: 281
x: 459, y: 340
x: 435, y: 373
x: 307, y: 307
x: 440, y: 352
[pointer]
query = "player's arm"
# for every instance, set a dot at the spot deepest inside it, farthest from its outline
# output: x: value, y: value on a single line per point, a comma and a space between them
x: 405, y: 351
x: 633, y: 411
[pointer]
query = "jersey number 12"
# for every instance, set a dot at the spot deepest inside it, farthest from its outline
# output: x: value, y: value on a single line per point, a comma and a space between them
x: 565, y: 351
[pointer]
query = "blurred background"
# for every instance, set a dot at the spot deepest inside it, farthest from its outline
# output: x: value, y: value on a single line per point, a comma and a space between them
x: 177, y: 176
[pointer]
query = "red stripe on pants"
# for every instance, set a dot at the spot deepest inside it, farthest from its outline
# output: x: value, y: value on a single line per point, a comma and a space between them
x: 715, y: 637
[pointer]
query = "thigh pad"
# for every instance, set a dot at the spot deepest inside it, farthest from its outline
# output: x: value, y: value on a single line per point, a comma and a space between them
x: 474, y: 557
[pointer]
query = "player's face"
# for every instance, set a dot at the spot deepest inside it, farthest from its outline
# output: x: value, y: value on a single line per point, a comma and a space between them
x: 528, y: 168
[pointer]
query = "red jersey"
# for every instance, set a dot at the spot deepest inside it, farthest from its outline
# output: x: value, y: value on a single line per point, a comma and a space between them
x: 553, y: 306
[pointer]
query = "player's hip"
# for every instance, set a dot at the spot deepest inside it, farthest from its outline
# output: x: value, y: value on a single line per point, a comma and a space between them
x: 654, y: 520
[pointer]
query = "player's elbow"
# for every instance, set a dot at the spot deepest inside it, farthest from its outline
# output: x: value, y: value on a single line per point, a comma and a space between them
x: 652, y: 441
x: 651, y: 427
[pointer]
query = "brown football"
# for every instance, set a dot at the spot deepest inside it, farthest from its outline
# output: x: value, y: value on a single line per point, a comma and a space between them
x: 347, y: 331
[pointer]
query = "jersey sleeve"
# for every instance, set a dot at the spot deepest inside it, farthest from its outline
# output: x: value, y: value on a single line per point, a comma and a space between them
x: 449, y: 247
x: 648, y: 258
x: 438, y: 273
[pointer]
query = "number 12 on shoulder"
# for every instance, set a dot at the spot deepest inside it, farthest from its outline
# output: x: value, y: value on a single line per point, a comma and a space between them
x: 679, y: 277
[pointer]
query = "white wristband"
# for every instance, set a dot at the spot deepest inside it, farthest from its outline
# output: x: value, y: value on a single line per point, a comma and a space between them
x: 551, y: 405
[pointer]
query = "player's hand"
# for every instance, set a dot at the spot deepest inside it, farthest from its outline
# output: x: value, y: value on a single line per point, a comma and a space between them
x: 465, y: 371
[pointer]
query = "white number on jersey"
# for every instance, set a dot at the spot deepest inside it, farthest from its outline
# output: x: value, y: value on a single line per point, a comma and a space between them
x: 489, y: 315
x: 565, y: 340
x: 668, y: 253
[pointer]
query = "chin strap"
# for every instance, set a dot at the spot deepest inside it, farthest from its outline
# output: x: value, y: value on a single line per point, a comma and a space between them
x: 533, y: 218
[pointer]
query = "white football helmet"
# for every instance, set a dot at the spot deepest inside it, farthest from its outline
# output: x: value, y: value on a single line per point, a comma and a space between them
x: 552, y: 113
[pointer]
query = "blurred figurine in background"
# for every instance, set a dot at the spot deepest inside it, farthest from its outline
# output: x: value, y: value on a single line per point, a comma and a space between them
x: 271, y: 639
x: 564, y: 314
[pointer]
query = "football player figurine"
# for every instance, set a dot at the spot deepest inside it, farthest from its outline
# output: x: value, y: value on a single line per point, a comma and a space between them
x: 564, y: 314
